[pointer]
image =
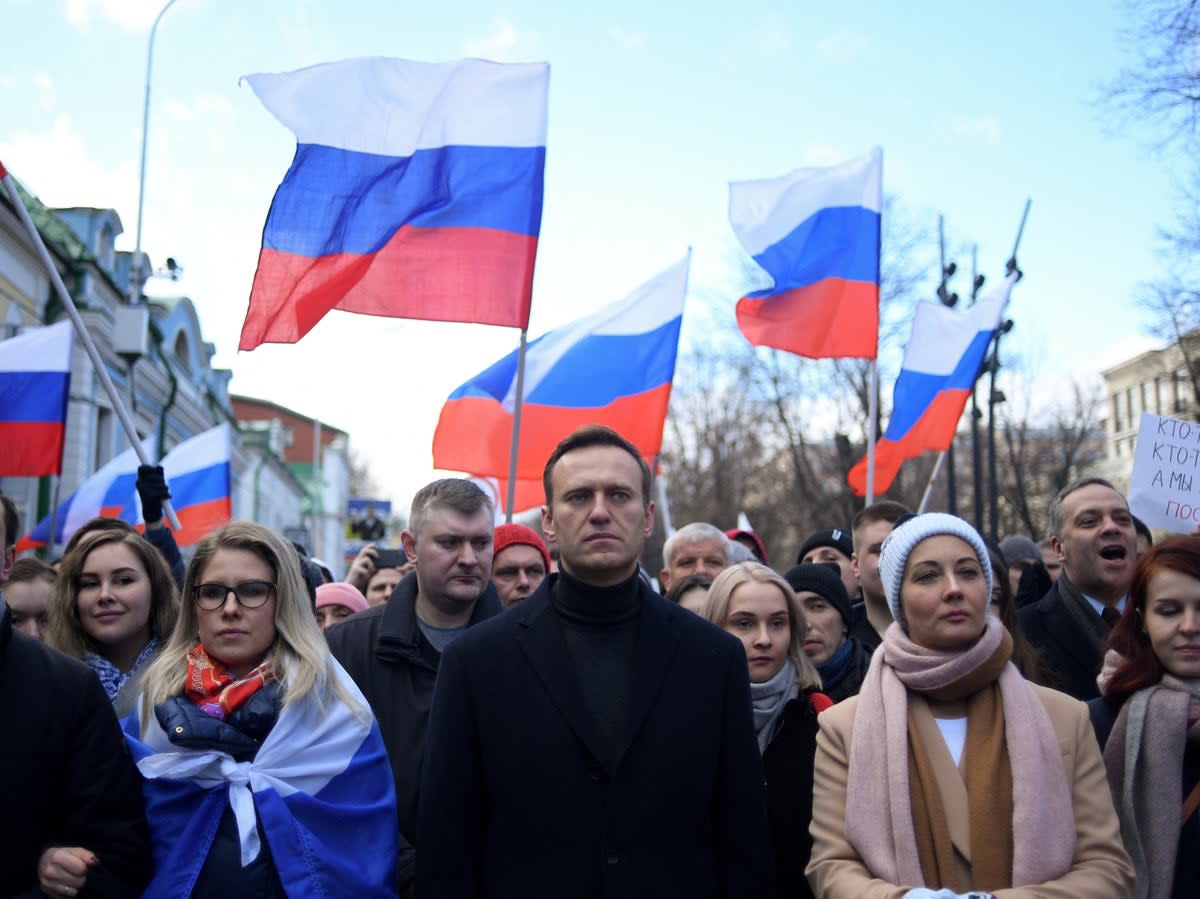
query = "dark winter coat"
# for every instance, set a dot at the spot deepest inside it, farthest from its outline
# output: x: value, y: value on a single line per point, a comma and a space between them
x: 386, y: 654
x: 1072, y: 655
x: 517, y: 799
x: 788, y: 768
x: 69, y: 778
x: 851, y: 683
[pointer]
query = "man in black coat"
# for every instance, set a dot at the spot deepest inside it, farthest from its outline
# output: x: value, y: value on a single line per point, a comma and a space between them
x: 595, y: 741
x: 72, y: 798
x: 393, y: 651
x: 1091, y: 529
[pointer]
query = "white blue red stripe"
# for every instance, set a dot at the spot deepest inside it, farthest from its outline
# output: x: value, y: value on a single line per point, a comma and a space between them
x: 415, y: 192
x: 198, y: 474
x: 816, y: 232
x: 320, y: 787
x: 613, y: 367
x: 941, y: 362
x: 35, y: 378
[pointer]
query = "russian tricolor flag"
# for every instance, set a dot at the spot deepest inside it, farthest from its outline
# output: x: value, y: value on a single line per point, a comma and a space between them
x: 35, y: 378
x: 415, y: 192
x: 816, y: 233
x: 613, y: 367
x: 197, y: 472
x: 940, y: 365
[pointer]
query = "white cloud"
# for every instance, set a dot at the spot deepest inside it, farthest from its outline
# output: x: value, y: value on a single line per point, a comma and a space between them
x: 55, y: 165
x: 132, y: 15
x: 770, y: 40
x: 46, y: 93
x: 204, y: 117
x: 983, y: 127
x: 842, y: 45
x: 503, y: 42
x: 628, y: 40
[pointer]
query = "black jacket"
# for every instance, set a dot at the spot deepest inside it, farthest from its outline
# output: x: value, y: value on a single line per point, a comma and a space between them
x: 852, y: 682
x: 517, y: 800
x: 788, y: 767
x: 1072, y: 655
x: 393, y: 664
x: 68, y: 776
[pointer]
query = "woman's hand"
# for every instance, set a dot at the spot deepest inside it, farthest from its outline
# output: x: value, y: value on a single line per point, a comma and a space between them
x: 63, y: 870
x: 362, y: 567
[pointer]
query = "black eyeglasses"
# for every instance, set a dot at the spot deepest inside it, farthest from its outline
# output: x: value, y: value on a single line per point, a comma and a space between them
x: 249, y: 594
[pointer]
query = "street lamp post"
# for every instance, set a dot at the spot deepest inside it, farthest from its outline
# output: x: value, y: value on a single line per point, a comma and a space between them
x: 137, y: 278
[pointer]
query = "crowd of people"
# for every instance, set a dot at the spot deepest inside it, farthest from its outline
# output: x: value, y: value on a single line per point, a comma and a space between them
x: 909, y: 711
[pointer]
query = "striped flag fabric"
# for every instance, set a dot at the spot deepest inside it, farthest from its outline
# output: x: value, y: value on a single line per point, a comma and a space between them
x: 198, y: 474
x: 941, y: 362
x: 613, y: 367
x: 35, y: 380
x: 319, y: 789
x: 816, y: 232
x: 415, y: 192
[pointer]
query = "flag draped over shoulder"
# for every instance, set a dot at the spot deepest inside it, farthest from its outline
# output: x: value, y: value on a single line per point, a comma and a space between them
x: 320, y: 788
x: 415, y: 192
x: 35, y: 378
x: 816, y: 233
x: 613, y: 367
x: 198, y: 475
x: 940, y: 365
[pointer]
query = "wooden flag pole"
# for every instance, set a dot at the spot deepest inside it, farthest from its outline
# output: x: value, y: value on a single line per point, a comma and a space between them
x: 81, y: 332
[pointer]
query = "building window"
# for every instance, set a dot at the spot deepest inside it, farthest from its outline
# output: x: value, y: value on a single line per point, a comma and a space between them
x: 1116, y: 413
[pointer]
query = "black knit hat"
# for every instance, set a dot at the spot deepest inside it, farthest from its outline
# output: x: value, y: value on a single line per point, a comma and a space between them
x: 837, y: 538
x: 825, y: 580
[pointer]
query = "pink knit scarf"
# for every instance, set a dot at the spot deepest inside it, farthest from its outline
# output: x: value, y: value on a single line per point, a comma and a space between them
x: 1043, y: 822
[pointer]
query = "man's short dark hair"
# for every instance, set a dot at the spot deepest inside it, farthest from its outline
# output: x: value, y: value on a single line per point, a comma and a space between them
x: 594, y: 435
x: 1055, y: 514
x: 459, y: 494
x: 12, y: 522
x: 884, y: 510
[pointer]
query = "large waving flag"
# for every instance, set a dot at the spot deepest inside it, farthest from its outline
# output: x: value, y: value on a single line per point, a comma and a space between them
x: 940, y: 365
x: 197, y: 472
x: 415, y: 192
x: 35, y: 377
x: 816, y: 232
x: 613, y: 367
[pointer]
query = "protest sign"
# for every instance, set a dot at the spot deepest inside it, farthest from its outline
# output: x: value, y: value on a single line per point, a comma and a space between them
x: 1164, y: 490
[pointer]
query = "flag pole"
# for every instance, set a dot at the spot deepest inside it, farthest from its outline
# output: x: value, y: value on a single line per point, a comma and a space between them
x: 664, y: 507
x: 937, y: 467
x: 518, y: 403
x: 872, y: 416
x: 81, y: 333
x: 54, y: 494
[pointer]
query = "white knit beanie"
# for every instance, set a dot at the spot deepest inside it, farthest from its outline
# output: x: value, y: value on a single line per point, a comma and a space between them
x: 893, y: 557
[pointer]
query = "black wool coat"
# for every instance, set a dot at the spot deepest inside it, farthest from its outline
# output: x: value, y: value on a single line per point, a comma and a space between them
x: 69, y: 779
x: 788, y: 766
x: 1071, y: 655
x: 517, y: 802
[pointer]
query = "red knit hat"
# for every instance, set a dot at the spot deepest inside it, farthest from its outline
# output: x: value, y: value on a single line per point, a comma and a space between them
x: 507, y: 534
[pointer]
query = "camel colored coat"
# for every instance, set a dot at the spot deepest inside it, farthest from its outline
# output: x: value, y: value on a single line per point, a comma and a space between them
x: 1100, y: 869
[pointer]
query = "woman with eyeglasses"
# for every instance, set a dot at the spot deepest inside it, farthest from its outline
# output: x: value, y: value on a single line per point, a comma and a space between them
x: 114, y: 604
x: 261, y: 760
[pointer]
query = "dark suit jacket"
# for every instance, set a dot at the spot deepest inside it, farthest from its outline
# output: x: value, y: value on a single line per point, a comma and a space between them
x: 1068, y: 652
x: 515, y: 801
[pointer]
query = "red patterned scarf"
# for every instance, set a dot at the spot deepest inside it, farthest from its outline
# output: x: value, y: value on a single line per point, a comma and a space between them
x: 215, y: 691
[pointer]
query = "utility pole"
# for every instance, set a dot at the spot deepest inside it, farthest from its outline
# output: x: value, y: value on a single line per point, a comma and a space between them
x: 948, y: 300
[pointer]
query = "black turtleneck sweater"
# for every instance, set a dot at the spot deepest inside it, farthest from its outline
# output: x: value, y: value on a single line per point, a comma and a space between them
x: 600, y: 625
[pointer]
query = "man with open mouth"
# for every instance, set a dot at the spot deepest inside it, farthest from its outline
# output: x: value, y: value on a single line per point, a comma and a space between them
x: 1092, y: 532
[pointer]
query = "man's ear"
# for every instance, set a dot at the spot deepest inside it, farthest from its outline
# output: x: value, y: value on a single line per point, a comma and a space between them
x: 409, y: 541
x: 648, y: 529
x: 854, y: 563
x: 548, y: 524
x: 7, y: 562
x: 1056, y: 545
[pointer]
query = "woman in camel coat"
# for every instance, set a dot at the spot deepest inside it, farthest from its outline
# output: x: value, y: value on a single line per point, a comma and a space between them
x: 950, y: 774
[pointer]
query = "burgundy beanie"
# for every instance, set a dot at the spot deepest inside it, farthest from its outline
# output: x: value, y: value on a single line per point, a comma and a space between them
x: 506, y: 535
x: 339, y: 593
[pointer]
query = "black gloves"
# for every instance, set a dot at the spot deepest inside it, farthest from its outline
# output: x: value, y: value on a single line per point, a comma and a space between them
x: 152, y: 490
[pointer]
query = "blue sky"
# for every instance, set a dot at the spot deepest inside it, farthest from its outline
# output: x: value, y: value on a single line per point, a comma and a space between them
x: 653, y: 109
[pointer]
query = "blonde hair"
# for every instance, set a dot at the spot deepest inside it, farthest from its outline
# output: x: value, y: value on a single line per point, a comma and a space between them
x: 63, y: 629
x: 299, y: 655
x: 720, y: 594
